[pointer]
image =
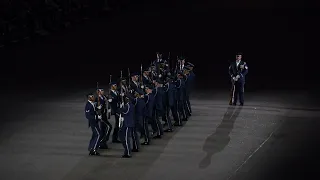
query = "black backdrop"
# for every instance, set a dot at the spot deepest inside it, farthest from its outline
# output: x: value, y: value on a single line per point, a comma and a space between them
x: 273, y: 41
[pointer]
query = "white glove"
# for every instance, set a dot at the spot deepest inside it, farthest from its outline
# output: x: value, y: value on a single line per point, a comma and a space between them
x: 167, y: 65
x: 142, y: 86
x: 99, y: 117
x: 121, y: 105
x: 109, y: 110
x: 238, y: 76
x: 121, y: 118
x: 160, y: 75
x: 109, y: 100
x: 99, y: 107
x: 234, y: 78
x: 122, y: 94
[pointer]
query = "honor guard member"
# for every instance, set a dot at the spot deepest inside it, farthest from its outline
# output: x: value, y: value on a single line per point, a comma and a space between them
x: 91, y: 115
x: 158, y: 109
x: 181, y: 63
x: 105, y: 125
x: 145, y: 77
x: 180, y: 85
x: 188, y: 87
x: 169, y: 89
x: 125, y: 132
x: 140, y: 105
x: 135, y: 85
x: 149, y: 101
x: 238, y: 71
x: 114, y: 101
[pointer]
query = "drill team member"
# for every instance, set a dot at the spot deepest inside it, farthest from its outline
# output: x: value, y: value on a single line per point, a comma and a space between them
x: 105, y: 125
x: 238, y: 71
x: 91, y: 115
x: 125, y: 132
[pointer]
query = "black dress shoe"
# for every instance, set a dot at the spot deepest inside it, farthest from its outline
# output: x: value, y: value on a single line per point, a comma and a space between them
x: 241, y: 104
x: 145, y: 143
x: 116, y: 141
x: 168, y: 130
x: 94, y: 153
x: 126, y: 156
x: 135, y: 150
x: 234, y: 104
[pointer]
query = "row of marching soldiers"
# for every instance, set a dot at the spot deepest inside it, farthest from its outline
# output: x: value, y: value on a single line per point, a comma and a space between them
x: 157, y: 92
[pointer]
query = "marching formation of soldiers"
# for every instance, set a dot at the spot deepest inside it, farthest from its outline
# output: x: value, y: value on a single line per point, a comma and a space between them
x: 155, y: 94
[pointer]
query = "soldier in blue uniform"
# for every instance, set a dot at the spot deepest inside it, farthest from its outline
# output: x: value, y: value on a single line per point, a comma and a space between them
x: 139, y: 104
x: 187, y: 90
x: 180, y: 85
x: 135, y: 84
x: 91, y: 115
x: 128, y: 123
x: 146, y: 77
x: 191, y: 83
x: 170, y: 90
x: 114, y: 101
x: 149, y: 101
x: 238, y: 71
x: 105, y: 125
x: 158, y: 109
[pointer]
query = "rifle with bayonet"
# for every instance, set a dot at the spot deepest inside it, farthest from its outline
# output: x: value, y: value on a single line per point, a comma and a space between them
x: 122, y: 101
x: 108, y: 97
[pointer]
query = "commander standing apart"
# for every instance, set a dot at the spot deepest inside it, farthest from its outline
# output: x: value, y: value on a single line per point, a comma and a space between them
x: 238, y: 71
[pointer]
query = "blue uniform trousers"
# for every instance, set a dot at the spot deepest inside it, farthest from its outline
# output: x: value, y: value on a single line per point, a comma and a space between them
x: 166, y: 117
x: 181, y: 109
x: 125, y: 136
x: 105, y: 129
x: 95, y: 138
x: 146, y: 133
x: 115, y: 133
x: 156, y: 123
x: 188, y: 105
x: 239, y: 91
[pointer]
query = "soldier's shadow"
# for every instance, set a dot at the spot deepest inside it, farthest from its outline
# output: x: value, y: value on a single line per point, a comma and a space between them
x: 217, y: 141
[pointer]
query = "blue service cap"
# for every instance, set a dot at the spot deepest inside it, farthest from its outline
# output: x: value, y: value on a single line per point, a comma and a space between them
x: 90, y: 95
x: 190, y: 64
x: 113, y: 83
x: 100, y: 89
x: 135, y: 74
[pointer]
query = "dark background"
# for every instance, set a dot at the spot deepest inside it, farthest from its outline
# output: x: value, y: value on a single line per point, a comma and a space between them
x: 272, y: 36
x: 278, y: 40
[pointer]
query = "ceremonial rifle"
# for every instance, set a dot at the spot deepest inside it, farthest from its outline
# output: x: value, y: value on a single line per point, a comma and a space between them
x: 122, y: 101
x: 108, y: 97
x: 141, y: 74
x: 98, y: 100
x: 129, y: 80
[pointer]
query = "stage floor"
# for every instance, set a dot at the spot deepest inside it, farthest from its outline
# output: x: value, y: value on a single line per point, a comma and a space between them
x: 48, y: 139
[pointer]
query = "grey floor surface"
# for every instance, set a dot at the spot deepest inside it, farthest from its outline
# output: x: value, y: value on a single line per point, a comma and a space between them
x: 47, y: 138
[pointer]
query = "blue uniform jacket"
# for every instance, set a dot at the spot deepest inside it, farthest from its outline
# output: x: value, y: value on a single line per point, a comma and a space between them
x: 235, y: 70
x: 180, y: 85
x: 136, y: 88
x: 127, y: 112
x: 171, y: 91
x: 90, y: 113
x: 149, y: 99
x: 158, y: 95
x: 140, y: 107
x: 102, y: 103
x: 115, y: 102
